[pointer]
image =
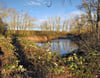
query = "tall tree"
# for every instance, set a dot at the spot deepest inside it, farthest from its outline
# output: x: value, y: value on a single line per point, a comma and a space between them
x: 98, y: 20
x: 3, y: 13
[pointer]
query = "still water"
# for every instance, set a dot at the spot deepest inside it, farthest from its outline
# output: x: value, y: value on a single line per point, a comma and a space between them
x: 62, y: 46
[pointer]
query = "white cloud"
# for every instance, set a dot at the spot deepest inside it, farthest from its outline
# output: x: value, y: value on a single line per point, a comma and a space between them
x: 41, y: 20
x: 74, y: 14
x: 40, y: 0
x: 34, y: 3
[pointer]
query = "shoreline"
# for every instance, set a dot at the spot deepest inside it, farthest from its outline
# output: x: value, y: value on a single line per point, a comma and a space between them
x: 43, y: 38
x: 46, y: 38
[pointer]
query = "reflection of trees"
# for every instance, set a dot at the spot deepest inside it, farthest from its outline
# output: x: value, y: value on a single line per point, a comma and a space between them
x: 67, y: 47
x: 63, y: 45
x: 56, y: 44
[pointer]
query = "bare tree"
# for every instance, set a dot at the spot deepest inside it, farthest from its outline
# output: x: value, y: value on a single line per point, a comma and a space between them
x: 64, y: 25
x: 98, y: 20
x: 58, y: 23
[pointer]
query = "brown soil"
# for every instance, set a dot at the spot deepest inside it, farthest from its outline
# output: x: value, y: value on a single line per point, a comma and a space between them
x: 43, y: 38
x: 38, y: 38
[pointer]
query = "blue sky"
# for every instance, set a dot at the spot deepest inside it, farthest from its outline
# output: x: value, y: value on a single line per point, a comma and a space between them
x: 38, y: 9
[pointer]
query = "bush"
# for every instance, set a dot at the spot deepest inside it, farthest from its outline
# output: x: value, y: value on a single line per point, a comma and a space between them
x: 87, y: 65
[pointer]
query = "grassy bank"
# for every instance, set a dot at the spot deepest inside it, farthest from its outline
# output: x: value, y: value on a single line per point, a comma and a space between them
x: 37, y: 36
x: 23, y: 58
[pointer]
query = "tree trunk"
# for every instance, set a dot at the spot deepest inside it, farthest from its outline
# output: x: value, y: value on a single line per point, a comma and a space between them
x: 98, y: 20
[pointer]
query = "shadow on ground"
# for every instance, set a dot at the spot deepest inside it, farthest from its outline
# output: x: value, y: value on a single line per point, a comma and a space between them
x: 1, y: 54
x: 27, y: 64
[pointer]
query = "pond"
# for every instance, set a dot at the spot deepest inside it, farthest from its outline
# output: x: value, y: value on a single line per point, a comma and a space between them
x: 62, y: 46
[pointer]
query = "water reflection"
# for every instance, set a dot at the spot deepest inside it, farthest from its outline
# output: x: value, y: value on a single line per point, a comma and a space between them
x: 63, y: 46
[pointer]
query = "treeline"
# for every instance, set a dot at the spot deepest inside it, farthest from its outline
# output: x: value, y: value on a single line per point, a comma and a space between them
x: 66, y: 25
x: 86, y: 22
x: 54, y: 24
x: 15, y: 20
